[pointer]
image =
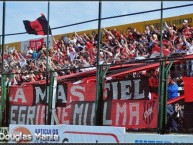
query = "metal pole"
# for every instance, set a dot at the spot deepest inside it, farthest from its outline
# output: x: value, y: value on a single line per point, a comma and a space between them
x: 167, y: 69
x: 3, y: 38
x: 3, y: 89
x: 161, y: 28
x: 46, y: 93
x: 51, y: 73
x: 162, y: 106
x: 161, y: 109
x: 98, y: 90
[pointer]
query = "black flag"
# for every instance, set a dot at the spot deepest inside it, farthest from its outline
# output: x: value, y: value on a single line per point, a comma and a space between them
x: 37, y: 27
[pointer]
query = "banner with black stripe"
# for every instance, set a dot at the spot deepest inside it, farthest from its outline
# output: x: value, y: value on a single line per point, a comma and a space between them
x: 37, y: 27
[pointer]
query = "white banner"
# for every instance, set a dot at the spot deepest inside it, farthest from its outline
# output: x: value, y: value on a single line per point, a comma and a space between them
x: 65, y: 134
x: 34, y: 133
x: 92, y: 134
x: 25, y: 44
x: 157, y: 138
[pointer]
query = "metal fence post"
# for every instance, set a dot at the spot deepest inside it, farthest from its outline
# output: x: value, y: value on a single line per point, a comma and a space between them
x: 161, y: 80
x: 98, y: 73
x: 47, y: 119
x: 3, y: 79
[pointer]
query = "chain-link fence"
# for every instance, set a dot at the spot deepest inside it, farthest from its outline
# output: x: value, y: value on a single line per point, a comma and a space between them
x: 68, y: 78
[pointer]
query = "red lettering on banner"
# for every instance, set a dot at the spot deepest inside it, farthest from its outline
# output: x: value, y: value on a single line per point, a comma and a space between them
x: 134, y: 114
x: 21, y: 95
x: 36, y: 44
x: 81, y: 92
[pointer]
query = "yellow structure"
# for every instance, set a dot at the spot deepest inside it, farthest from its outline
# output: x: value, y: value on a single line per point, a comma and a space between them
x: 11, y: 46
x: 140, y: 26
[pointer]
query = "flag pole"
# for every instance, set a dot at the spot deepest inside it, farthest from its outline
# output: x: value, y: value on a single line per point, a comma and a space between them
x: 46, y: 93
x: 98, y: 108
x: 51, y: 84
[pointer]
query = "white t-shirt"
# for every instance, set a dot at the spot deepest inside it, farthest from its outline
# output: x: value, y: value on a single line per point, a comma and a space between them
x: 29, y: 51
x: 189, y: 48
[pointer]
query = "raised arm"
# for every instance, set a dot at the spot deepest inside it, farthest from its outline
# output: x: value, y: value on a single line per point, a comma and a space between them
x: 108, y: 52
x: 77, y: 35
x: 86, y: 36
x: 166, y: 25
x: 54, y: 40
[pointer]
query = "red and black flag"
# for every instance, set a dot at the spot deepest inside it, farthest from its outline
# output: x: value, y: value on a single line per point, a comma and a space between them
x: 37, y: 27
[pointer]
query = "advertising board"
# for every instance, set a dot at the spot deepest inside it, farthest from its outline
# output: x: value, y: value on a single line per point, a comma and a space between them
x: 157, y: 138
x: 64, y: 134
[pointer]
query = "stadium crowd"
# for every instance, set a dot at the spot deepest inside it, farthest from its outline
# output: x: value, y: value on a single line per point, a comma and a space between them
x: 79, y: 53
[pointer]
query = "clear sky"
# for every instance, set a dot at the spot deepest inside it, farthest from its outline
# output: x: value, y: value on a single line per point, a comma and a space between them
x: 64, y: 13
